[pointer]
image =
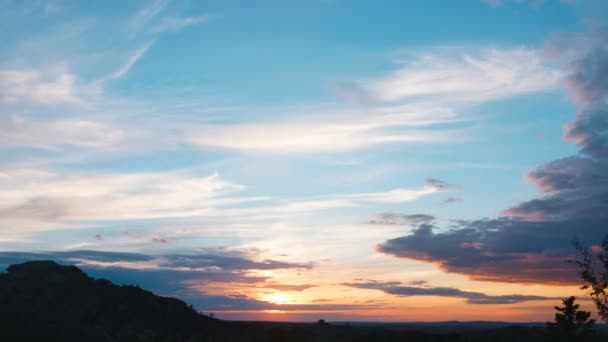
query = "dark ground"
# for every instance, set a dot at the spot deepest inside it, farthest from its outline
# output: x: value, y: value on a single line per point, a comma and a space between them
x: 44, y: 301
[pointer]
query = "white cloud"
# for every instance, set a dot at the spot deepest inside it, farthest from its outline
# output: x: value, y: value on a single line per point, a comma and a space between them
x: 35, y: 198
x: 483, y: 76
x: 402, y: 195
x: 302, y: 206
x: 395, y: 195
x: 311, y: 205
x: 338, y: 133
x: 51, y: 87
x: 20, y: 131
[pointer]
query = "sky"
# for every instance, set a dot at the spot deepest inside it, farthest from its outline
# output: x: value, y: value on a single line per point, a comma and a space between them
x: 297, y: 160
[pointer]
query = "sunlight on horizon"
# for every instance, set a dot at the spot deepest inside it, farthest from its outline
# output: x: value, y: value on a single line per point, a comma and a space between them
x: 277, y: 298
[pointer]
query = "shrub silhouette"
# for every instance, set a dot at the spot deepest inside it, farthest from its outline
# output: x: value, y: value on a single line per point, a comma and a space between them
x: 594, y: 276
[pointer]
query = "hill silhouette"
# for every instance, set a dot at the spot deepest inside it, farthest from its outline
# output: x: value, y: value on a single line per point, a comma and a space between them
x: 42, y: 300
x: 45, y: 301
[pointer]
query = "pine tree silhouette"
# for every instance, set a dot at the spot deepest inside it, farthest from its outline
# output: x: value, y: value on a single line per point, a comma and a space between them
x: 570, y: 322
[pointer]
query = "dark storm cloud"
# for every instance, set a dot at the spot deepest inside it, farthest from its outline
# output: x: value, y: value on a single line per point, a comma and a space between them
x: 576, y: 187
x: 532, y: 242
x: 400, y: 219
x: 588, y: 79
x: 406, y: 290
x: 501, y: 249
x: 588, y: 82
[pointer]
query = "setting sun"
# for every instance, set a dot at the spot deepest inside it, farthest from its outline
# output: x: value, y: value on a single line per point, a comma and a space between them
x: 277, y: 298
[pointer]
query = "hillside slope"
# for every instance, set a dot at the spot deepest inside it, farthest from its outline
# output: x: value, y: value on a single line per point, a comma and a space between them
x: 42, y: 300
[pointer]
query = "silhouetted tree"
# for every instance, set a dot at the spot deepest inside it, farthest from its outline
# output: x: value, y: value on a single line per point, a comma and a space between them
x: 594, y: 274
x: 570, y: 322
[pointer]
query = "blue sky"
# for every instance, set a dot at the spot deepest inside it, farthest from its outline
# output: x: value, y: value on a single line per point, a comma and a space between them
x: 324, y: 136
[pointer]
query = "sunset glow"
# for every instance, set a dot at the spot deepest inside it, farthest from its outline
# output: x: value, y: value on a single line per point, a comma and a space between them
x: 303, y: 160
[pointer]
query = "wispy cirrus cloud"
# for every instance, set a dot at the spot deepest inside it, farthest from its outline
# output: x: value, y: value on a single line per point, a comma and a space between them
x: 146, y: 14
x: 340, y: 132
x: 336, y: 201
x: 401, y: 195
x: 415, y: 104
x: 459, y: 76
x: 397, y: 195
x: 48, y: 134
x: 133, y: 58
x: 50, y: 107
x: 178, y: 23
x: 154, y: 18
x: 36, y: 198
x: 47, y: 87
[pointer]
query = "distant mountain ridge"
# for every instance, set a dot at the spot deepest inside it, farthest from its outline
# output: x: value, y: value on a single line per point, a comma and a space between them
x: 45, y: 301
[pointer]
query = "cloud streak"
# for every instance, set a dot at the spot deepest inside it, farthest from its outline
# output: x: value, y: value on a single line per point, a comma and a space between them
x: 48, y: 134
x: 405, y: 290
x: 153, y: 19
x: 489, y: 74
x: 38, y: 199
x: 394, y: 219
x: 324, y: 136
x: 134, y: 58
x: 59, y: 197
